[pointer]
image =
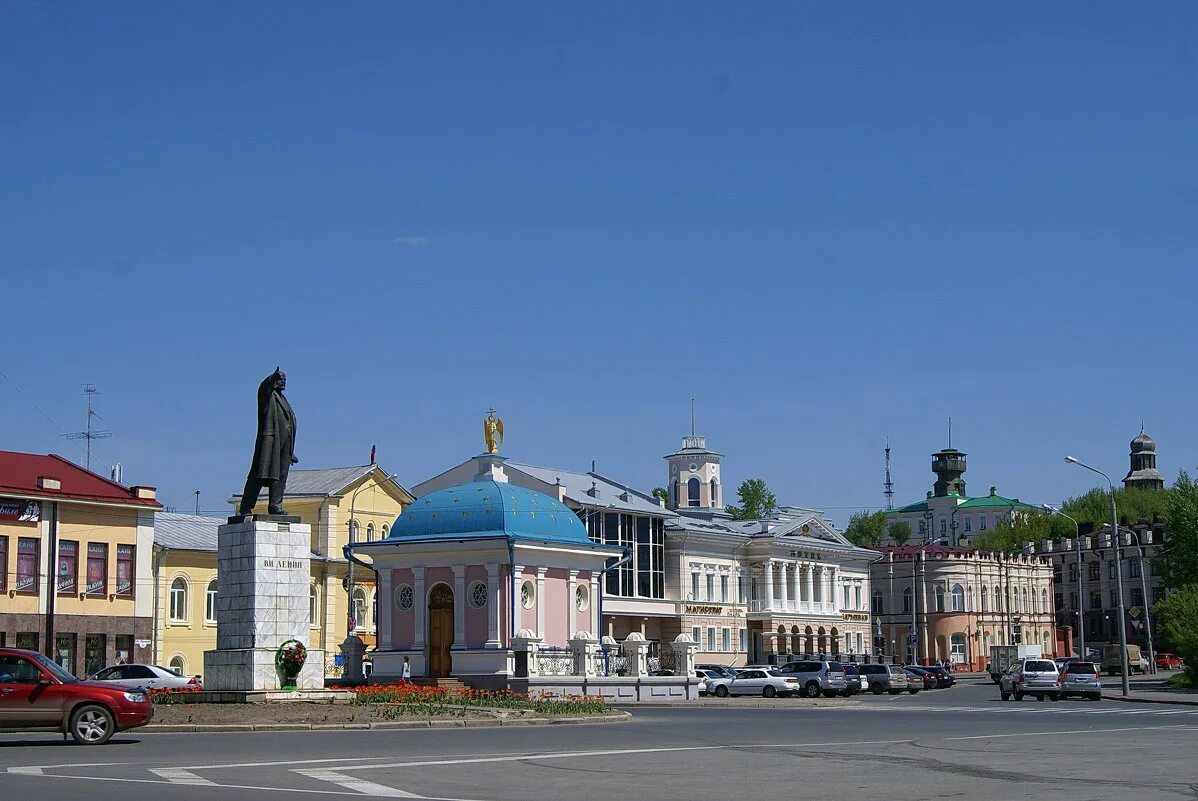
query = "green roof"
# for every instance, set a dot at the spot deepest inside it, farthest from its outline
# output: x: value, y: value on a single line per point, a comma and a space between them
x: 993, y: 500
x: 921, y: 506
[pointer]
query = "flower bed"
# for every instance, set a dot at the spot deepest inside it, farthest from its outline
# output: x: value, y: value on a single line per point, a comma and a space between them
x: 174, y: 695
x: 415, y: 699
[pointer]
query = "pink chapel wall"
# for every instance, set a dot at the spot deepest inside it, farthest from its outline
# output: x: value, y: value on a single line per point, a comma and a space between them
x: 476, y: 619
x: 554, y: 609
x: 402, y: 623
x: 582, y: 619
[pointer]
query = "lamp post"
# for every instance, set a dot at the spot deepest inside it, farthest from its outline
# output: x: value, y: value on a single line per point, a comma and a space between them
x: 1081, y: 593
x: 1118, y: 572
x: 1144, y: 593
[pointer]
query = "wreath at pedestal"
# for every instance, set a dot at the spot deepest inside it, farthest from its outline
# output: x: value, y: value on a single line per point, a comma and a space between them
x: 290, y: 659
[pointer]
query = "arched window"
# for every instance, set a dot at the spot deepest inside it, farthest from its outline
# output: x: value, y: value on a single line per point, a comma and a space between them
x: 878, y: 605
x: 810, y: 646
x: 908, y: 598
x: 1026, y: 608
x: 985, y: 599
x: 715, y: 493
x: 674, y: 499
x: 386, y: 531
x: 178, y: 664
x: 353, y: 530
x: 692, y: 492
x: 313, y: 604
x: 210, y: 602
x: 359, y: 607
x: 958, y: 598
x: 370, y: 532
x: 939, y: 597
x: 1044, y: 601
x: 179, y: 600
x: 997, y: 599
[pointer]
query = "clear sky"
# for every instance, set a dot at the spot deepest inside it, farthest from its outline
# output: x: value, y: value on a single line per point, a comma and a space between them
x: 829, y: 223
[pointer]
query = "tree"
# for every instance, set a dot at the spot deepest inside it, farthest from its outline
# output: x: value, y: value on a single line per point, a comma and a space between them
x: 1178, y: 563
x: 900, y: 532
x: 1176, y: 619
x: 866, y: 529
x: 1134, y: 503
x: 756, y: 501
x: 1009, y: 534
x: 661, y: 494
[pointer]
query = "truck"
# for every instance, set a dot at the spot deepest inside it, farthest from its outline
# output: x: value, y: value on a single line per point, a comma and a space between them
x: 1003, y: 656
x: 1112, y: 660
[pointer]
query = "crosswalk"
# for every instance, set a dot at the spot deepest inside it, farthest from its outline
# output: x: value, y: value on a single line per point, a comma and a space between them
x: 1033, y: 708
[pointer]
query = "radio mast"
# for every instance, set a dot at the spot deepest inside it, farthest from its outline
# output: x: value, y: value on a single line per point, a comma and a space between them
x: 88, y: 435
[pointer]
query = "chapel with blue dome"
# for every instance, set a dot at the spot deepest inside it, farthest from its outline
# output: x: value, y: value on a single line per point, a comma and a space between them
x: 474, y: 574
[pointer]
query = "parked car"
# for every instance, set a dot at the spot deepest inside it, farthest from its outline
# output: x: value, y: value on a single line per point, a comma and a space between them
x: 37, y: 694
x: 854, y: 682
x: 1038, y: 677
x: 720, y: 671
x: 921, y: 678
x: 751, y: 681
x: 1166, y: 661
x: 1081, y: 678
x: 1064, y: 662
x: 885, y: 678
x: 944, y: 678
x: 1112, y: 660
x: 817, y: 676
x: 701, y: 675
x: 146, y: 677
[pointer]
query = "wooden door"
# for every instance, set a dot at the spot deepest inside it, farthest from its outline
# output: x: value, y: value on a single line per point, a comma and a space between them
x: 440, y: 631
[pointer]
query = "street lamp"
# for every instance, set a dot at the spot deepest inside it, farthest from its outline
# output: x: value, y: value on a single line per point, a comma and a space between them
x: 1144, y: 599
x: 1081, y: 593
x: 1118, y: 572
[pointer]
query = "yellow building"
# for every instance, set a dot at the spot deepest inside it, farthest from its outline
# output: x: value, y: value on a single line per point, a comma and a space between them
x: 75, y: 552
x: 185, y: 562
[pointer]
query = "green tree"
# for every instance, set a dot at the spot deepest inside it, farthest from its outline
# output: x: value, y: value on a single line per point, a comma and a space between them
x: 756, y: 501
x: 900, y: 532
x: 866, y: 529
x: 1178, y: 563
x: 1176, y: 619
x: 1009, y: 534
x: 661, y: 494
x: 1134, y: 503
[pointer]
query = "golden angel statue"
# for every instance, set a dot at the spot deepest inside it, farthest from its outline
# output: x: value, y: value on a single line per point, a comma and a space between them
x: 493, y: 432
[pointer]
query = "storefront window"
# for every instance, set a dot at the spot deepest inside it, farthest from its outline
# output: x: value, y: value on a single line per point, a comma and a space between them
x: 27, y: 640
x: 27, y: 559
x: 3, y: 564
x: 97, y: 568
x: 124, y: 570
x: 124, y: 648
x: 64, y: 651
x: 93, y: 654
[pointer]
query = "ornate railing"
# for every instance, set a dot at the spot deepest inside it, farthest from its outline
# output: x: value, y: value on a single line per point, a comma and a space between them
x: 555, y: 661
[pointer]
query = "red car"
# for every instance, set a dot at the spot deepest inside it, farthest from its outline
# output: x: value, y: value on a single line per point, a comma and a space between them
x: 37, y: 694
x: 1167, y: 661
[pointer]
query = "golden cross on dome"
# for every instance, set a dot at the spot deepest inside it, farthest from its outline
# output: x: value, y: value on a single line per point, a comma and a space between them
x: 492, y: 431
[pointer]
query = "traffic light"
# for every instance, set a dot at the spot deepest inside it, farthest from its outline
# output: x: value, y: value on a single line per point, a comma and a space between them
x: 1018, y: 637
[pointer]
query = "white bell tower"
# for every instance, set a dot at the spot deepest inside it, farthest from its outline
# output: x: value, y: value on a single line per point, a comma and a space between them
x: 694, y: 474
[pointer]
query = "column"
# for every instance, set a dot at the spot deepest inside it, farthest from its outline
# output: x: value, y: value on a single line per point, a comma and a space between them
x: 459, y: 607
x: 517, y: 579
x: 809, y: 577
x: 785, y: 585
x: 596, y: 590
x: 420, y: 607
x: 571, y: 589
x: 494, y: 622
x: 385, y: 605
x: 837, y: 591
x: 795, y: 579
x: 769, y: 584
x: 540, y: 602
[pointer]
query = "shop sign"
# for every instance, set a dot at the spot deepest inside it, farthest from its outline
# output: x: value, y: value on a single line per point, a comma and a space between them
x: 19, y: 509
x: 855, y: 617
x: 704, y: 610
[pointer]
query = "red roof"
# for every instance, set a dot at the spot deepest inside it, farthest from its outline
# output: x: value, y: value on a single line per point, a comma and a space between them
x: 19, y: 473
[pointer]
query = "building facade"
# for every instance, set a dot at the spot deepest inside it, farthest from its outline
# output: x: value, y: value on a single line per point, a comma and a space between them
x: 948, y: 516
x: 75, y: 549
x: 957, y: 602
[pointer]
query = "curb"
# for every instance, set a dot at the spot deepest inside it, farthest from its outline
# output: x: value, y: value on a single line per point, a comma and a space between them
x: 616, y: 717
x: 1132, y: 700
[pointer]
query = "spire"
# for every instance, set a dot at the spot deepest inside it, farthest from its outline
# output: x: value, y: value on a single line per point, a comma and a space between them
x: 950, y: 431
x: 692, y: 417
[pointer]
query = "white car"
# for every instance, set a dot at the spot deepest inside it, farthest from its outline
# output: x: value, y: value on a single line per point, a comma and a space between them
x: 751, y: 681
x: 149, y: 677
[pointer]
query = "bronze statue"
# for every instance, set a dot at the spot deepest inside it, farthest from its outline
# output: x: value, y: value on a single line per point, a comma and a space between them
x: 493, y: 432
x: 274, y: 447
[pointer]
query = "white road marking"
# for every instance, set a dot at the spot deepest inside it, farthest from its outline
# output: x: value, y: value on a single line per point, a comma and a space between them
x: 284, y: 762
x: 355, y: 784
x: 538, y: 756
x: 1071, y: 731
x: 180, y: 776
x: 30, y: 771
x: 36, y: 770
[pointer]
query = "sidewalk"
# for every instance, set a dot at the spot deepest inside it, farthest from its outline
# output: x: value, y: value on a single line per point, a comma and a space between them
x: 1148, y: 691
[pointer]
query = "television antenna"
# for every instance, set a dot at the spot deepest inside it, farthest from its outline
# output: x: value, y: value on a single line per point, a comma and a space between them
x: 89, y: 434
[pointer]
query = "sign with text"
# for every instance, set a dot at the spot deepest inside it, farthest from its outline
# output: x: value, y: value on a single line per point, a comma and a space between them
x: 283, y: 564
x: 18, y: 509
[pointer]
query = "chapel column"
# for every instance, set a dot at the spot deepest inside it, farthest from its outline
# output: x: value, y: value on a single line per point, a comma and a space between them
x: 571, y: 589
x: 809, y: 577
x: 769, y: 584
x: 494, y: 594
x: 540, y: 602
x: 419, y: 607
x: 459, y: 606
x: 785, y: 585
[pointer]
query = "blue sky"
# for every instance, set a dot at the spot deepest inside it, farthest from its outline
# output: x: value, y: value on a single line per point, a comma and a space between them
x: 830, y: 224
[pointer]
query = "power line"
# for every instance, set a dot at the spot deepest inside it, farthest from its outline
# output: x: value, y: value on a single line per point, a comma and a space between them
x: 37, y: 408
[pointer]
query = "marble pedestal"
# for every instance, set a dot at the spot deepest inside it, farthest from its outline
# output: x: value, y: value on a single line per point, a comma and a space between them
x: 263, y: 577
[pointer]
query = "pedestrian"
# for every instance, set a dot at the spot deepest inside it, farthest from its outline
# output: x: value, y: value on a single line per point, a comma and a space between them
x: 407, y: 671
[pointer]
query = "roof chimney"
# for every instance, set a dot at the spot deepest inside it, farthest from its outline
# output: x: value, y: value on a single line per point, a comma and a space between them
x: 144, y: 493
x: 594, y: 490
x: 993, y: 491
x: 48, y: 483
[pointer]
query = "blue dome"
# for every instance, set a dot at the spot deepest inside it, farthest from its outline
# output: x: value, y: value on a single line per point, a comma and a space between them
x: 481, y: 509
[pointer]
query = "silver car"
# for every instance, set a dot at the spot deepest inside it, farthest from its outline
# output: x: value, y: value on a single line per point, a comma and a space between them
x: 885, y: 678
x: 767, y: 683
x: 817, y: 676
x: 1036, y: 677
x: 149, y: 677
x: 1081, y: 678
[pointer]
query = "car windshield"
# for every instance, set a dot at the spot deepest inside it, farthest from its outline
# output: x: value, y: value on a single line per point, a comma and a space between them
x: 60, y: 673
x: 1039, y: 666
x: 168, y: 670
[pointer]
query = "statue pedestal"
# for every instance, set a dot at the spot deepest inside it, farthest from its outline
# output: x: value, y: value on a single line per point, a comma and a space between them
x: 263, y: 578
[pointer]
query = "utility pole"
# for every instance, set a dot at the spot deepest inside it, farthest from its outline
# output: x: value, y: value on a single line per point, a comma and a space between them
x: 88, y: 434
x: 51, y: 586
x: 197, y: 503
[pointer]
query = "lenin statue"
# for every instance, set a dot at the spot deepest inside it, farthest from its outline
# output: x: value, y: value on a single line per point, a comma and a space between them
x: 274, y: 447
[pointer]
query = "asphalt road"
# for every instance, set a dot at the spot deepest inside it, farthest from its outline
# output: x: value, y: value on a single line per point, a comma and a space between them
x: 956, y: 743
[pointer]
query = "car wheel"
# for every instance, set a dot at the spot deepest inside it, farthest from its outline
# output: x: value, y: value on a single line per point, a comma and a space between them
x: 895, y: 692
x: 92, y: 725
x: 1005, y: 696
x: 830, y: 693
x: 769, y: 692
x: 721, y: 692
x: 1054, y: 697
x: 912, y: 691
x: 811, y: 689
x: 876, y: 688
x: 1018, y: 696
